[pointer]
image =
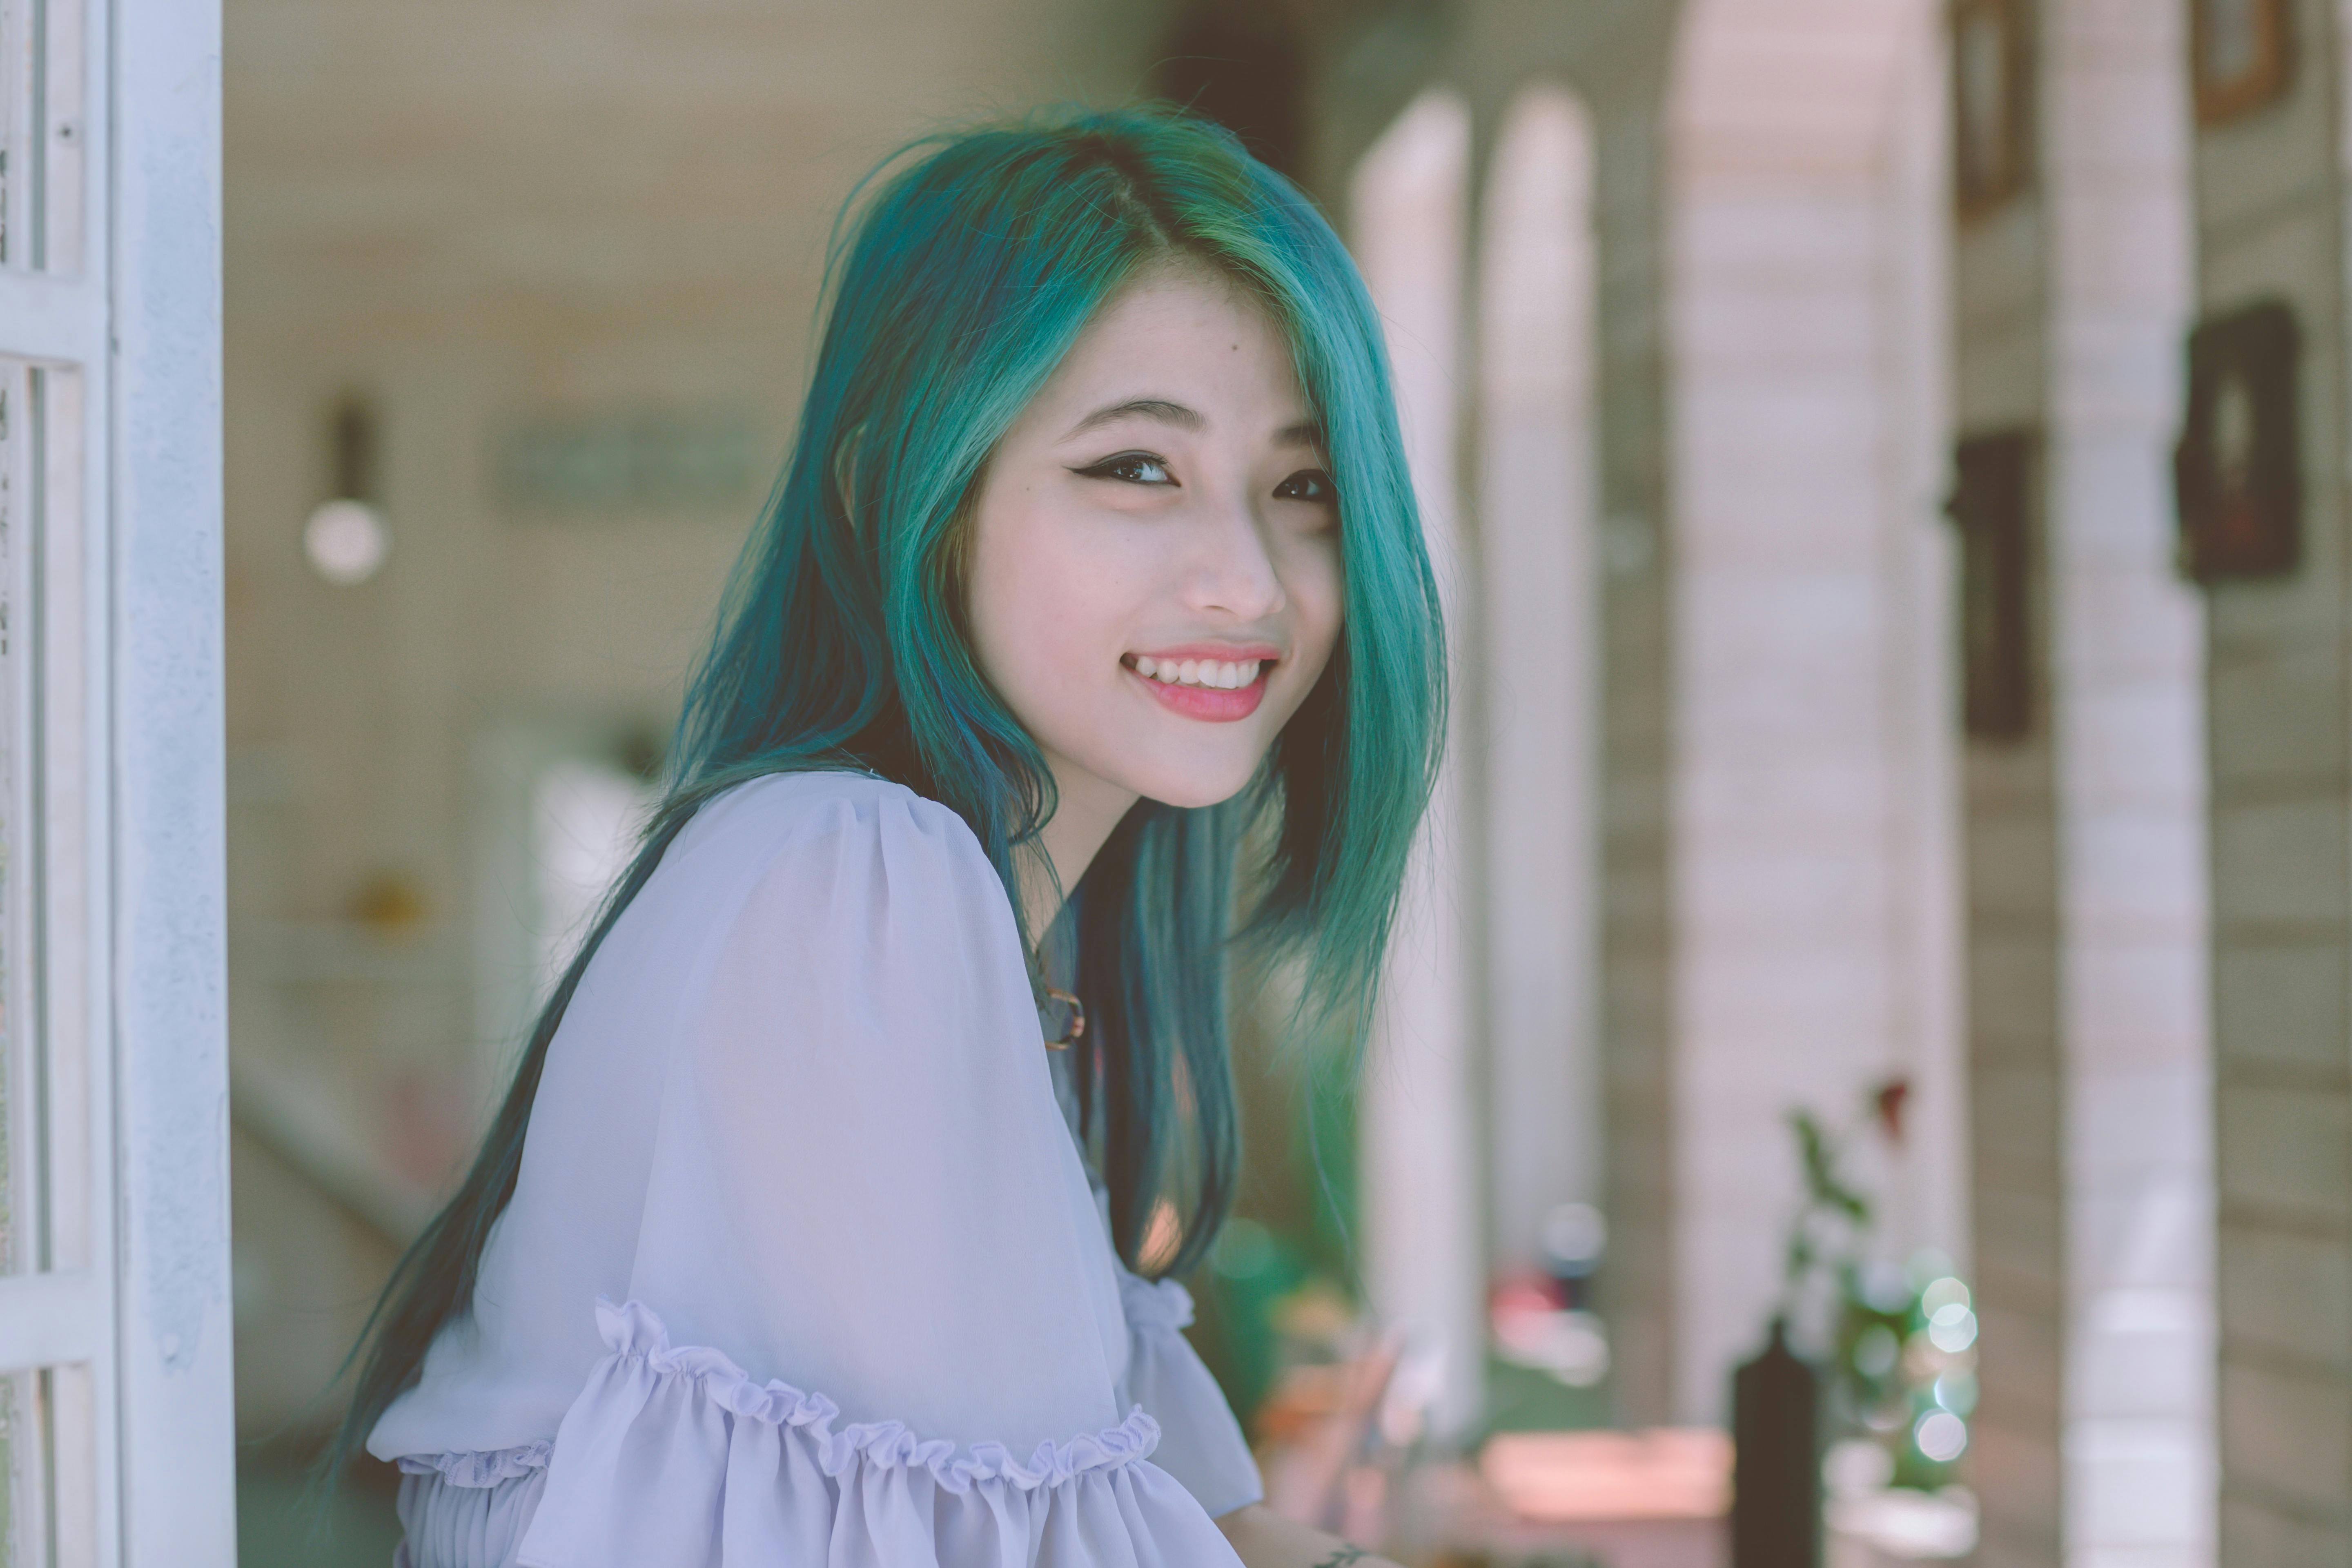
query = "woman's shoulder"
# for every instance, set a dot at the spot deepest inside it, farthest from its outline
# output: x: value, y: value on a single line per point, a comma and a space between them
x: 799, y: 886
x: 810, y: 894
x: 778, y: 823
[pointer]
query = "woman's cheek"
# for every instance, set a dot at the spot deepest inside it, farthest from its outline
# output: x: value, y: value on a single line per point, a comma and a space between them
x: 1319, y: 595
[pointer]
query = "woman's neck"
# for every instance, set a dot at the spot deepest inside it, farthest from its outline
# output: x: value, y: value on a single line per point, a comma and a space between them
x: 1086, y: 809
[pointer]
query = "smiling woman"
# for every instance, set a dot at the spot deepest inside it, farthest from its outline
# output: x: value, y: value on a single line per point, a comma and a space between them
x: 792, y: 1241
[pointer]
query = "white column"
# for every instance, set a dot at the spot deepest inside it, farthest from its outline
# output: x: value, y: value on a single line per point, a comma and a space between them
x: 1423, y: 1265
x: 1539, y: 697
x: 1811, y: 809
x: 1926, y: 1203
x: 2128, y: 728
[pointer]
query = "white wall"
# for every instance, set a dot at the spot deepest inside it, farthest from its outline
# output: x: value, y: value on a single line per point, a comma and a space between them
x: 2271, y: 223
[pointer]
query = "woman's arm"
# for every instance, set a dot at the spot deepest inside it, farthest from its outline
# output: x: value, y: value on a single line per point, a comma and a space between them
x: 1262, y: 1537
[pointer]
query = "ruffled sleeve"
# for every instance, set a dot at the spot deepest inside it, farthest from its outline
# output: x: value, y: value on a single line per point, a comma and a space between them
x: 1201, y: 1444
x: 868, y: 1323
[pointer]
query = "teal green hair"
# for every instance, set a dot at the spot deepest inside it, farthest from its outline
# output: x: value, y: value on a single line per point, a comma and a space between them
x: 972, y: 264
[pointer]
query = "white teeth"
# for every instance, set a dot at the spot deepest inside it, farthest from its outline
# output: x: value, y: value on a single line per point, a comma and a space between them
x: 1220, y: 674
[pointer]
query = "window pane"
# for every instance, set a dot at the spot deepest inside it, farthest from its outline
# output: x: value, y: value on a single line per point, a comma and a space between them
x: 24, y: 1441
x: 41, y: 135
x: 48, y: 1459
x: 43, y: 1076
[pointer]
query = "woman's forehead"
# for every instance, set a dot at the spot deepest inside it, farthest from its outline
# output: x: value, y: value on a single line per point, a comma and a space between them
x: 1185, y: 345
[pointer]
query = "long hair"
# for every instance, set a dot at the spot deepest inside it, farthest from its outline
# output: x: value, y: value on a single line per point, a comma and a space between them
x: 962, y: 271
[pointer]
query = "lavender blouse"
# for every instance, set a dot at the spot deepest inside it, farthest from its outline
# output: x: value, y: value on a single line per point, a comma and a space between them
x: 805, y: 1264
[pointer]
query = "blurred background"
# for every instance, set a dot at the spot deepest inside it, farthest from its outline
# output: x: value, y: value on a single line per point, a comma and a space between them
x: 1886, y: 460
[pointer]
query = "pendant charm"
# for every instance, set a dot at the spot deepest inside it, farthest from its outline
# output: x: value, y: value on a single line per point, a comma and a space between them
x: 1077, y: 1019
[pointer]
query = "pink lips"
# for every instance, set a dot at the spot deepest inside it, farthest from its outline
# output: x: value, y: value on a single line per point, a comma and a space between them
x: 1217, y: 705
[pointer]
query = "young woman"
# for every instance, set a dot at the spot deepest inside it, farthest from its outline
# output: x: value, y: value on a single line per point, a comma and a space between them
x: 804, y: 1234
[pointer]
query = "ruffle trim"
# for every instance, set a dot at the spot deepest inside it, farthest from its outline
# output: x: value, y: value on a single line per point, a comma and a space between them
x: 634, y: 1332
x: 485, y: 1468
x: 1153, y: 1303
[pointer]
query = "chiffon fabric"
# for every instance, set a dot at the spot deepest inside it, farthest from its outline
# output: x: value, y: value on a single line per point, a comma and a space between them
x: 805, y: 1264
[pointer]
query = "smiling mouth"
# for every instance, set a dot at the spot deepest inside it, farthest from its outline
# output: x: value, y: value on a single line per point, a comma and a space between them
x: 1216, y: 690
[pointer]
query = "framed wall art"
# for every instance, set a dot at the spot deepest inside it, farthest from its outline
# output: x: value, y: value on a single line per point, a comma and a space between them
x: 2238, y: 470
x: 1993, y: 504
x: 2242, y: 56
x: 1993, y: 103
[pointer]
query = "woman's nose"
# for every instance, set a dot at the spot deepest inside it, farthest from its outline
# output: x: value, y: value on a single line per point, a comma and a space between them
x: 1234, y: 572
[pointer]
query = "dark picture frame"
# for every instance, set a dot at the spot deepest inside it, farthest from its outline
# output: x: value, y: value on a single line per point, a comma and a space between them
x: 1994, y: 506
x: 1992, y: 103
x: 2240, y: 55
x: 2238, y: 470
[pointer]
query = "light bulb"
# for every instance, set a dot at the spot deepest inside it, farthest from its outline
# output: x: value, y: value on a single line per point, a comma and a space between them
x: 346, y: 542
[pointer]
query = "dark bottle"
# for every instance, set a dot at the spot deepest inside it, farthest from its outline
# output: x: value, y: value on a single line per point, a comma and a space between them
x: 1776, y: 1467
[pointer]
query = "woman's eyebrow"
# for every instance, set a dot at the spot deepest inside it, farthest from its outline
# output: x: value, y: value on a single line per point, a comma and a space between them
x: 1306, y: 433
x: 1159, y: 408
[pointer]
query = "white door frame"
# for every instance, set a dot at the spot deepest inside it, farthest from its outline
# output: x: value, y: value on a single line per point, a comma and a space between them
x: 114, y: 1288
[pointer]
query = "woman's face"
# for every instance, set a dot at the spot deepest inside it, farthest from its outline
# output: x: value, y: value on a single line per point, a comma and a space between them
x: 1154, y: 572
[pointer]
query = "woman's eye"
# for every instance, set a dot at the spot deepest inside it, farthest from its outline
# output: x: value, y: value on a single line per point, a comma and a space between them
x: 1133, y: 468
x: 1307, y: 484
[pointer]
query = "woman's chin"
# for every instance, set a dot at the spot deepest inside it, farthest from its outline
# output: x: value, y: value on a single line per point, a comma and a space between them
x: 1193, y: 788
